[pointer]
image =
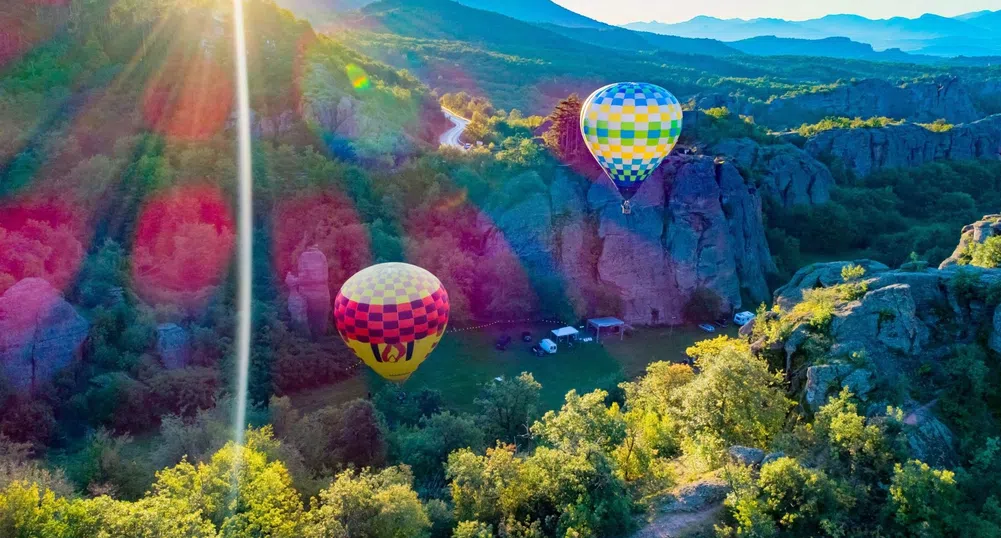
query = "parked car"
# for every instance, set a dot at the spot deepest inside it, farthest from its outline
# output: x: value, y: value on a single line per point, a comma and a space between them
x: 502, y: 343
x: 707, y: 328
x: 544, y: 347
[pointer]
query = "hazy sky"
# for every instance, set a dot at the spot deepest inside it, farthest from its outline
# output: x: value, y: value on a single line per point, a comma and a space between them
x: 623, y: 11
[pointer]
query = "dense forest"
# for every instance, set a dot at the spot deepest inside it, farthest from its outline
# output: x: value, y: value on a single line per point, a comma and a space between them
x: 117, y: 173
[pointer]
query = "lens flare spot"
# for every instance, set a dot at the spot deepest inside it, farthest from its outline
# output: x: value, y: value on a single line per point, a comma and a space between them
x: 189, y: 101
x: 359, y: 78
x: 39, y: 239
x: 183, y: 245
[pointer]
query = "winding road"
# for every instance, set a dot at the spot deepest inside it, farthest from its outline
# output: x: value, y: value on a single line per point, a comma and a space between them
x: 451, y: 136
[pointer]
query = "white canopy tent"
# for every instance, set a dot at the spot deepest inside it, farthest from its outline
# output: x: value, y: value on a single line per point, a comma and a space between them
x: 606, y: 323
x: 564, y: 332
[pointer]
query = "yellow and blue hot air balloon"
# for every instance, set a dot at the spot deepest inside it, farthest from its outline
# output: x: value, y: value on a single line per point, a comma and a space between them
x: 392, y: 315
x: 630, y: 127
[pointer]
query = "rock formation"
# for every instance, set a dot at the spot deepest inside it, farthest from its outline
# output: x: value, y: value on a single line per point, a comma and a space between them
x: 865, y: 151
x: 905, y: 319
x: 173, y: 343
x: 309, y: 292
x: 924, y: 102
x: 784, y: 171
x: 695, y: 225
x: 978, y: 232
x: 40, y: 333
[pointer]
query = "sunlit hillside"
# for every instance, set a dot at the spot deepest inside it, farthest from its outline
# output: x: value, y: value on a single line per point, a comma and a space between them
x: 744, y: 289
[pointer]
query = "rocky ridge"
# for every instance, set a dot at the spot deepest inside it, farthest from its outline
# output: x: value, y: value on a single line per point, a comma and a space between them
x: 869, y: 150
x: 947, y: 97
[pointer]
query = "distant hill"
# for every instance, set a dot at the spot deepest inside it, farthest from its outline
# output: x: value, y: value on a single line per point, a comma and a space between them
x: 537, y: 11
x: 834, y: 47
x: 973, y: 34
x: 534, y: 11
x: 445, y: 19
x: 621, y: 38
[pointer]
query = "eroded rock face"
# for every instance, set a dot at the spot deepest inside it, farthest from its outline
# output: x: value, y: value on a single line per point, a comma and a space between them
x: 826, y: 380
x: 897, y: 146
x: 40, y: 333
x: 694, y: 225
x: 309, y: 292
x: 976, y: 233
x: 883, y: 321
x: 786, y: 172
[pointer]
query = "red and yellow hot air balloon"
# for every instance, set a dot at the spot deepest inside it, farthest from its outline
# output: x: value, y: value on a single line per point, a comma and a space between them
x: 392, y: 315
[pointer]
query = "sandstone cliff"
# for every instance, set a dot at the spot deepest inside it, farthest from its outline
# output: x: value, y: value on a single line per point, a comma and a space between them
x: 694, y: 225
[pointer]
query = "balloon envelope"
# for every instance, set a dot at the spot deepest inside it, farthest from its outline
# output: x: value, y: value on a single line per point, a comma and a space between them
x: 392, y: 315
x: 630, y: 127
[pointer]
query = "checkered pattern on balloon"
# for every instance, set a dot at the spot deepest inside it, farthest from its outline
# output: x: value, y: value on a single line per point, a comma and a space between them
x: 630, y: 127
x: 392, y: 316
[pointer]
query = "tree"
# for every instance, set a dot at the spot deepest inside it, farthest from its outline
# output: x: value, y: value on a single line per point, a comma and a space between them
x: 986, y: 254
x: 507, y: 407
x: 426, y: 448
x: 801, y: 501
x: 239, y: 490
x: 473, y: 529
x: 735, y: 399
x: 923, y: 500
x: 370, y: 504
x: 854, y: 445
x: 565, y: 139
x: 583, y: 422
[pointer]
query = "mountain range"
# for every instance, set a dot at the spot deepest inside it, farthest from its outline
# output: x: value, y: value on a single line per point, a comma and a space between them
x: 922, y: 40
x: 972, y: 34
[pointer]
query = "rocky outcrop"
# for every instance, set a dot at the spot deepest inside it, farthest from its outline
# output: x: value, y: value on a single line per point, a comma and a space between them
x: 925, y: 102
x: 865, y: 151
x: 695, y: 224
x: 976, y: 233
x: 40, y: 333
x: 883, y: 322
x: 825, y: 380
x: 309, y: 292
x: 783, y: 171
x: 944, y: 98
x: 820, y: 275
x: 747, y: 456
x: 173, y: 343
x: 928, y: 438
x: 904, y: 319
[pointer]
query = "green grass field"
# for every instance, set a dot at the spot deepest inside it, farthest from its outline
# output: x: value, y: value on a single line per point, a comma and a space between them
x: 464, y: 361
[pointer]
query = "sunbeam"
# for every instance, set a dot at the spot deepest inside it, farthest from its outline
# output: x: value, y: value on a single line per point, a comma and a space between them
x: 244, y: 224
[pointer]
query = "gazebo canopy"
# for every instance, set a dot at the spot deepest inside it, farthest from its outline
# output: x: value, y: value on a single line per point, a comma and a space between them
x: 604, y: 323
x: 564, y: 331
